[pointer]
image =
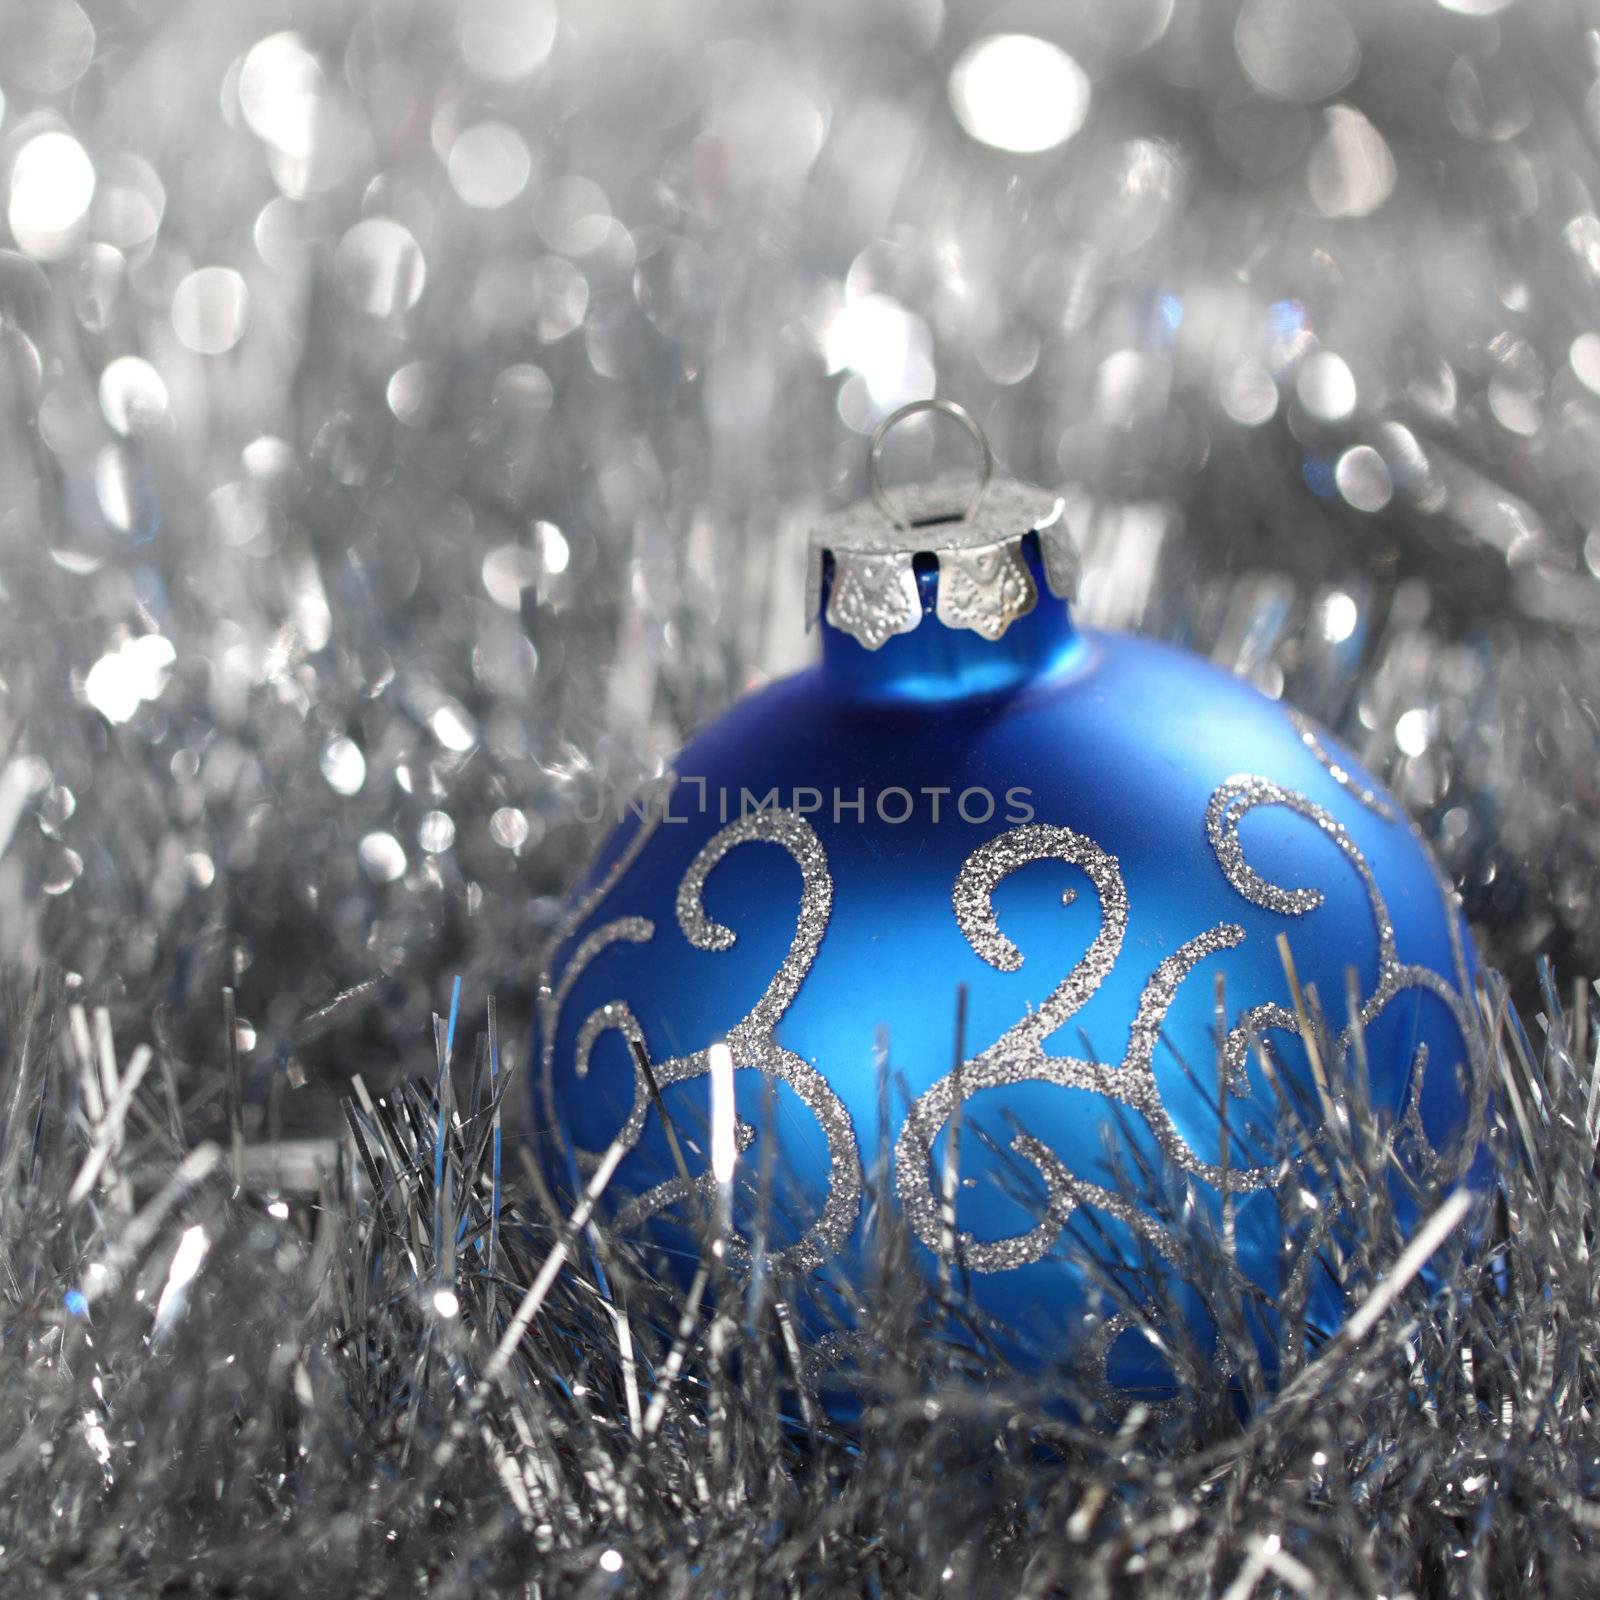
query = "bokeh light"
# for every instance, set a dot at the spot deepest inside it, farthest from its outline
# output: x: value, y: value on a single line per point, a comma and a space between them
x: 1019, y: 93
x: 52, y: 183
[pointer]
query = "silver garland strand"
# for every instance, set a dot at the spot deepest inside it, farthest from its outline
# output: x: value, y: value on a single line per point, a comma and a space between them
x: 413, y: 415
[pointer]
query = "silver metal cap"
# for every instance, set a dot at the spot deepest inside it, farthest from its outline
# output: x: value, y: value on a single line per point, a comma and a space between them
x: 973, y: 532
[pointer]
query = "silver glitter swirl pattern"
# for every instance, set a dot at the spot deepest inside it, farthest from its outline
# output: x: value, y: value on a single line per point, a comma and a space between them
x: 1311, y: 738
x: 1240, y: 795
x: 1253, y: 1023
x: 616, y: 1016
x: 749, y: 1040
x: 677, y: 1191
x: 550, y: 994
x: 1230, y: 804
x: 793, y: 833
x: 755, y: 1051
x: 989, y: 864
x: 1019, y: 1055
x: 625, y: 930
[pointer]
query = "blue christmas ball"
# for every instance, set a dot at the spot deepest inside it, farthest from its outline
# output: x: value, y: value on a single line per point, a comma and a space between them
x: 1086, y: 843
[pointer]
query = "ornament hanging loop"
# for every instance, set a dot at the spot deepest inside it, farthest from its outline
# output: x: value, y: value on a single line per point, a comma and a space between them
x: 948, y: 408
x: 868, y: 566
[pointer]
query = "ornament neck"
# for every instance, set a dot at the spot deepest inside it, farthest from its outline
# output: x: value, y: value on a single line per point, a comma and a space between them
x: 935, y: 663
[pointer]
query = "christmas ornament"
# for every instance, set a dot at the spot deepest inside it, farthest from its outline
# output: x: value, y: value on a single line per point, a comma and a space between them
x: 1090, y: 846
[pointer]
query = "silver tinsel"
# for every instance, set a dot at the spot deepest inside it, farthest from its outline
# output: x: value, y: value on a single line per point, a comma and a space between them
x: 413, y: 415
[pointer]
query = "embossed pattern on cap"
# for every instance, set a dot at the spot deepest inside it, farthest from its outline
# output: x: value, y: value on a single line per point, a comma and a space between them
x: 984, y: 580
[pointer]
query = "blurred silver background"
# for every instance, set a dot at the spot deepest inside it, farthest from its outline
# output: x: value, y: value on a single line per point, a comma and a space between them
x: 412, y: 416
